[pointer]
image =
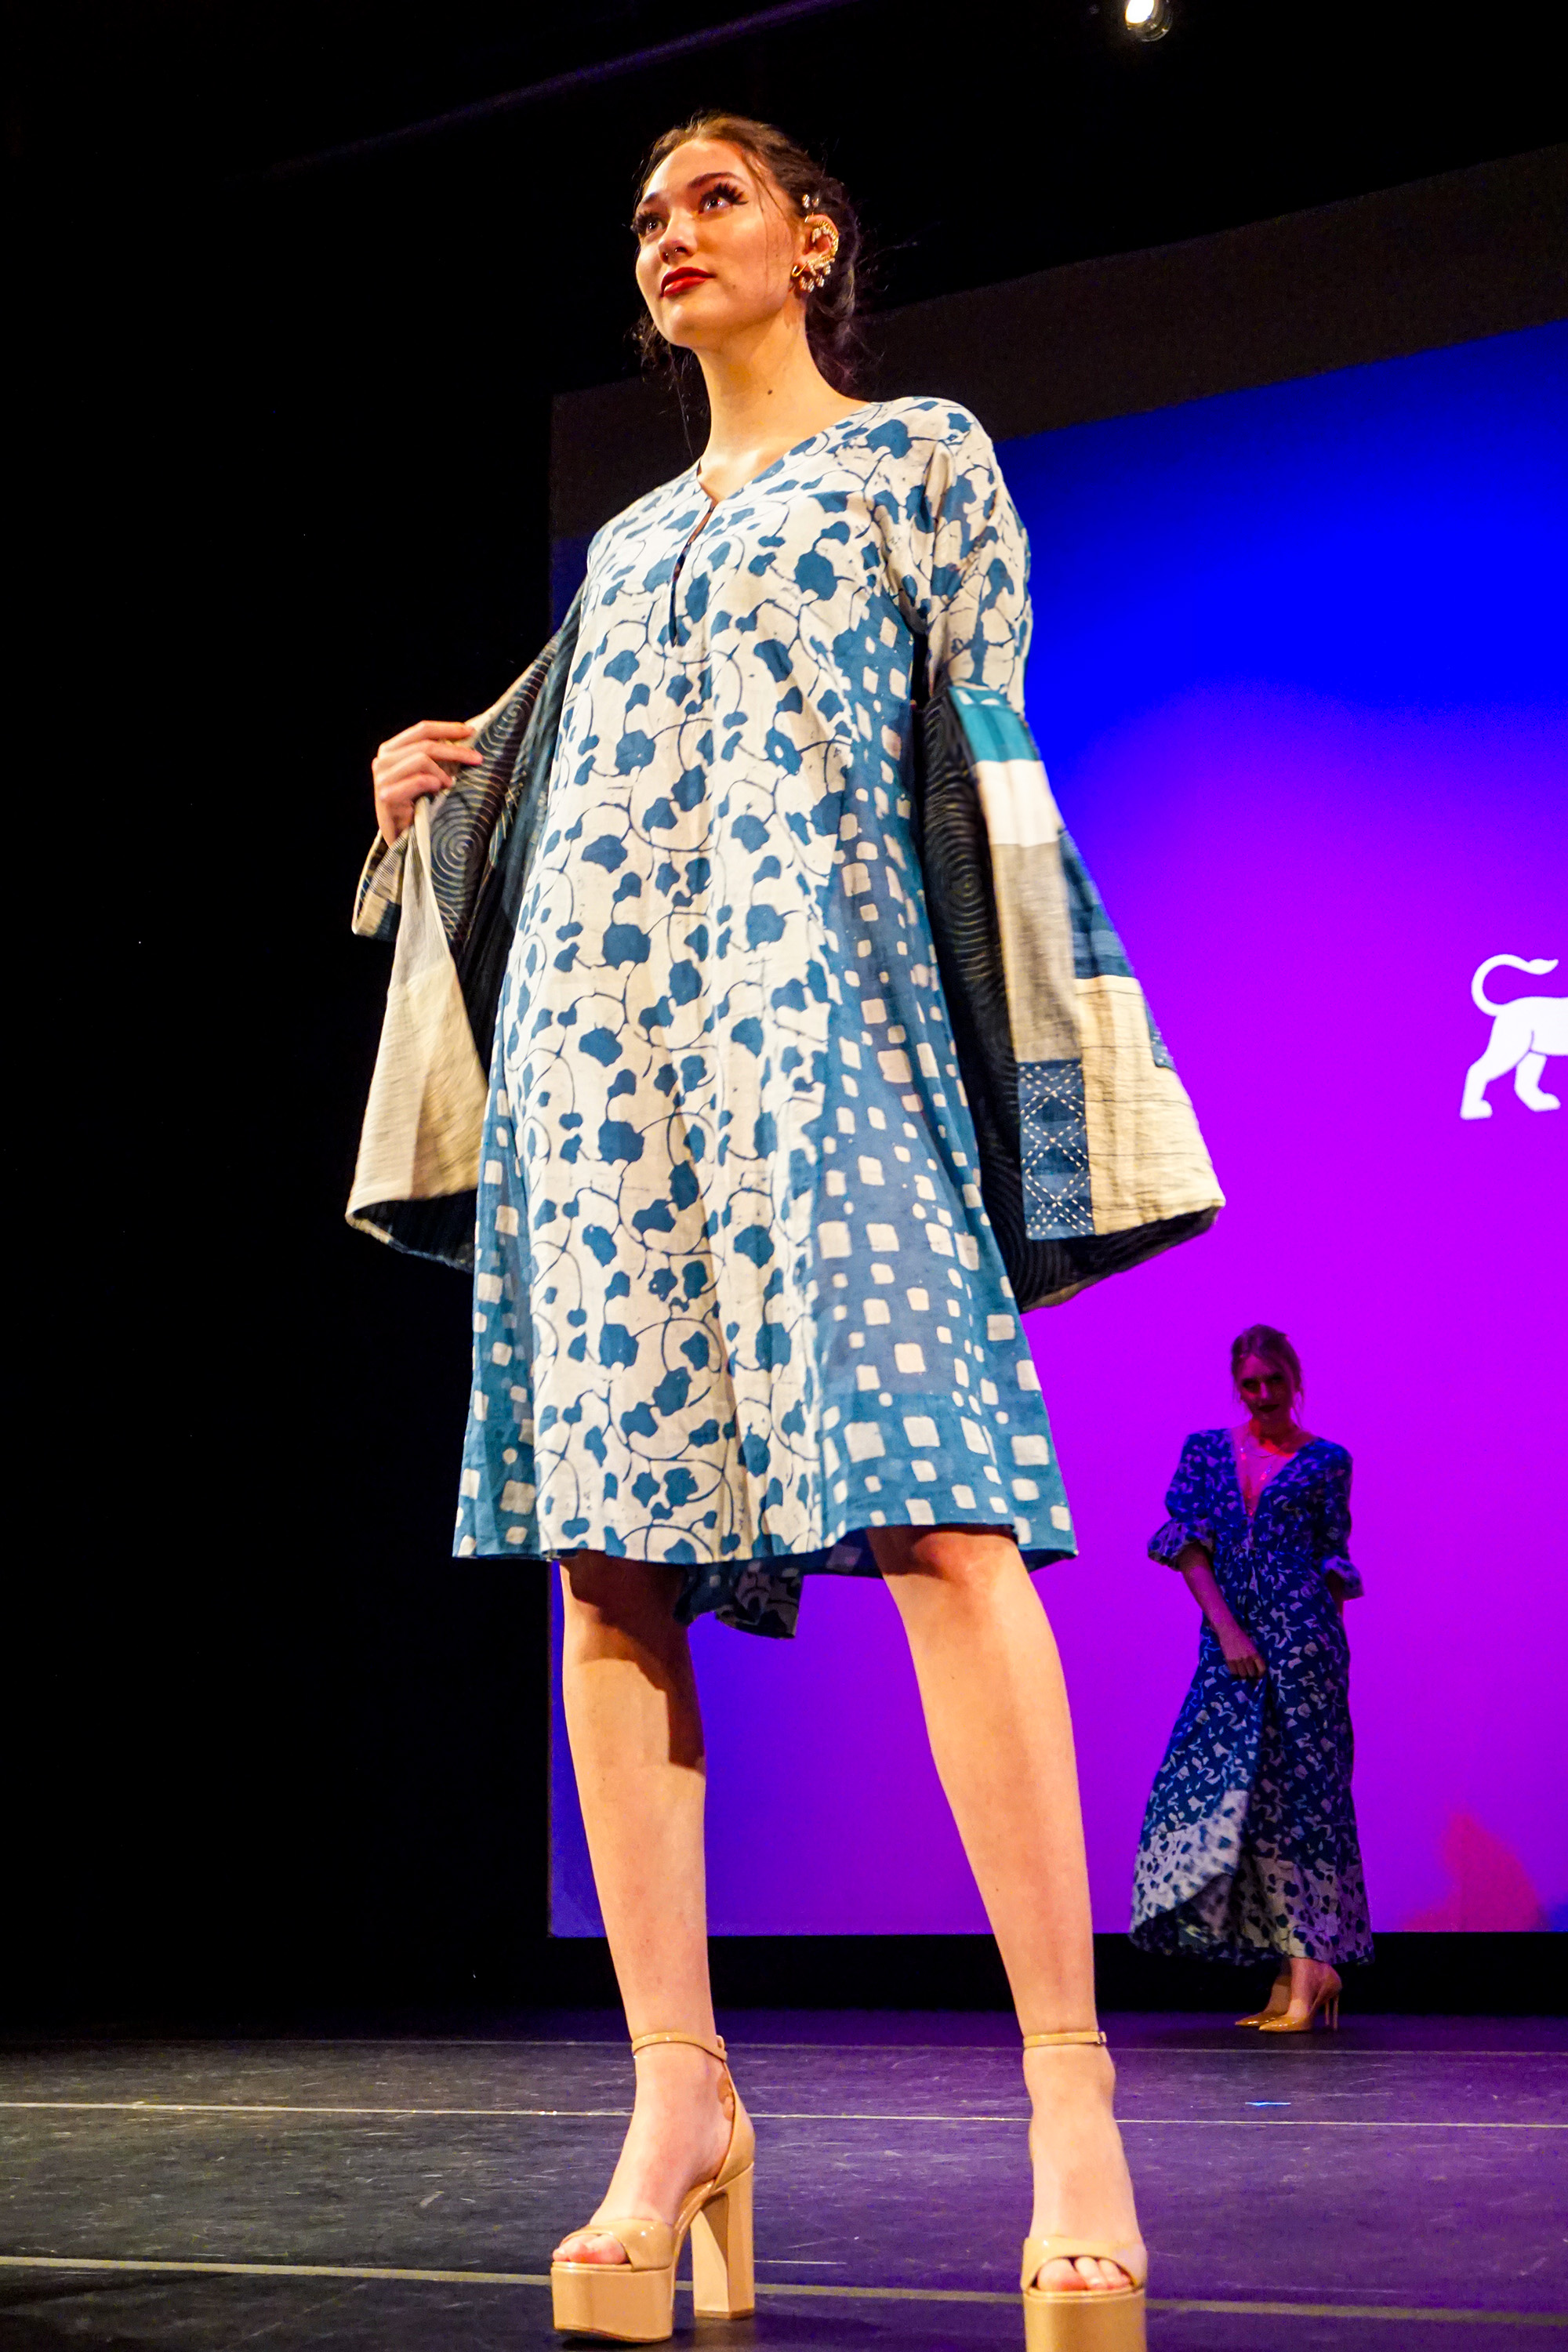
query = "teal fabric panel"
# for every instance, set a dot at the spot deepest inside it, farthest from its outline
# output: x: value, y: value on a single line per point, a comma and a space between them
x: 1096, y: 950
x: 992, y: 728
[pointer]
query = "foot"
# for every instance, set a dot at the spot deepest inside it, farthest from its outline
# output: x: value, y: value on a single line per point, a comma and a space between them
x: 1311, y: 1983
x: 680, y: 2134
x: 1081, y: 2181
x: 1277, y: 2004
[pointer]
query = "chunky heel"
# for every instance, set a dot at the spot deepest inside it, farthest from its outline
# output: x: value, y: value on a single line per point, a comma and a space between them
x: 633, y: 2302
x: 724, y: 2270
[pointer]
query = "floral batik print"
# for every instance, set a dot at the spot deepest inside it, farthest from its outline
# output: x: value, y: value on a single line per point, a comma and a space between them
x: 1249, y: 1843
x: 737, y: 1300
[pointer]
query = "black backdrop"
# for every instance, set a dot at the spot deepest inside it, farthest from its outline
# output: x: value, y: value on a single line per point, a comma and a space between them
x: 267, y: 1751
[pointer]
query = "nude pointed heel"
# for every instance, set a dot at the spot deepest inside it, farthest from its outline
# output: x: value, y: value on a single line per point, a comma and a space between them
x: 1082, y: 2319
x: 1325, y: 2004
x: 633, y: 2302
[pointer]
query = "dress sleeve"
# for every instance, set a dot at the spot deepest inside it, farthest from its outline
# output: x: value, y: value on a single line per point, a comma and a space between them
x: 1187, y: 1502
x: 977, y: 609
x: 1335, y: 1525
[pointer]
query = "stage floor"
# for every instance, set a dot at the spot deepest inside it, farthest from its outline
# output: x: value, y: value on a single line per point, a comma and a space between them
x: 1377, y: 2189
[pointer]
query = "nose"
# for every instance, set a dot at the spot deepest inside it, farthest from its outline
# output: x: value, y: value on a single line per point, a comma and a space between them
x: 676, y: 240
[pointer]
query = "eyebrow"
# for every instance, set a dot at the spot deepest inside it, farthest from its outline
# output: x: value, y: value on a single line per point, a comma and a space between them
x: 700, y: 181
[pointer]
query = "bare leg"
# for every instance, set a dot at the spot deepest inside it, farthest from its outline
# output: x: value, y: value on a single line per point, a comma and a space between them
x: 996, y: 1709
x: 636, y: 1748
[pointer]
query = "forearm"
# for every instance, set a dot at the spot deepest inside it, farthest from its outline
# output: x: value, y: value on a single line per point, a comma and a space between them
x: 1197, y: 1572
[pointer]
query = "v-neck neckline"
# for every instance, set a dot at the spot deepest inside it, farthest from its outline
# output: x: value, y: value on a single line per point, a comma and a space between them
x: 704, y: 521
x: 1250, y: 1511
x: 798, y: 449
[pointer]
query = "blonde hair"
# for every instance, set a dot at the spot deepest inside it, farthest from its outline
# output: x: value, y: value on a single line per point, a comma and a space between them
x: 1270, y: 1347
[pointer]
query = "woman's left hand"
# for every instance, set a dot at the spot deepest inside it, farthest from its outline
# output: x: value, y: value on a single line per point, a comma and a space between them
x: 1242, y: 1654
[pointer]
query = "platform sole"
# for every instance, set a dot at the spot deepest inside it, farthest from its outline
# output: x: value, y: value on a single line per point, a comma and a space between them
x: 1084, y: 2322
x: 612, y: 2300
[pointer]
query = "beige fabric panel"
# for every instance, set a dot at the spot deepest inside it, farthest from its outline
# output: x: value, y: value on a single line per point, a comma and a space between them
x: 1037, y: 951
x: 1146, y: 1158
x: 425, y: 1114
x: 1017, y: 803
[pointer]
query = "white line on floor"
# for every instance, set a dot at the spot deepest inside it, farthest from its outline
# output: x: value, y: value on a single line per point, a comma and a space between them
x: 759, y: 2115
x: 1348, y: 2045
x: 1407, y: 2313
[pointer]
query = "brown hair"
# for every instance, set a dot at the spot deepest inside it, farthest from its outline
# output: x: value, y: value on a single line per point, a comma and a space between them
x: 834, y: 339
x: 1270, y: 1347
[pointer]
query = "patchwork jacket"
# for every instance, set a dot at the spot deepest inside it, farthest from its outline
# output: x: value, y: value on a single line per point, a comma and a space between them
x: 1091, y: 1158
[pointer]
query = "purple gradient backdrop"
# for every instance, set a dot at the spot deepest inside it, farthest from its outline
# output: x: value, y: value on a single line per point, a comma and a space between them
x: 1297, y: 675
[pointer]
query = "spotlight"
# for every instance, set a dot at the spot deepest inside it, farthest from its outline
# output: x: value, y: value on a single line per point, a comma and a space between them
x: 1148, y: 20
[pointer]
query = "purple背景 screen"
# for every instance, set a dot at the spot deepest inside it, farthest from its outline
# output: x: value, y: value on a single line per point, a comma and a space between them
x: 1298, y: 677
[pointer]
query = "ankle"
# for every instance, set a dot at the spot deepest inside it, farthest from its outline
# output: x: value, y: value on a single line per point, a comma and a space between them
x: 1066, y: 2076
x: 680, y: 2089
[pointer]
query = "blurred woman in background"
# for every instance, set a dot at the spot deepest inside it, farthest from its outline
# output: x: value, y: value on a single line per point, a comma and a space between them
x: 1249, y: 1842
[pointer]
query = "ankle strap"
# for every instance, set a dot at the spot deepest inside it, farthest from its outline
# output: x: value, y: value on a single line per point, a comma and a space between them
x: 1054, y: 2041
x: 715, y: 2048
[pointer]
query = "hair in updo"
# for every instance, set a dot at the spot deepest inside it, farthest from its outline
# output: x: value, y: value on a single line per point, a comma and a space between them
x: 836, y: 343
x: 1270, y: 1347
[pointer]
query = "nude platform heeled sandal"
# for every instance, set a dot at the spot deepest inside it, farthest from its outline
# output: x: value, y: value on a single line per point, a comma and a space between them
x: 1081, y: 2319
x: 633, y: 2302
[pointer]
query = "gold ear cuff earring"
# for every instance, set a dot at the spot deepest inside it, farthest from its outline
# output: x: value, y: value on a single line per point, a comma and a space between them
x: 813, y: 274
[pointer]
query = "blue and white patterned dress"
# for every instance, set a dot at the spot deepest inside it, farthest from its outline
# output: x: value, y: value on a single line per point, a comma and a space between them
x: 1249, y: 1843
x: 736, y: 1297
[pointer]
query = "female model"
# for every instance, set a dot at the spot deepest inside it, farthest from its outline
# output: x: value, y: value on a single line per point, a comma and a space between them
x: 739, y: 1315
x: 1249, y: 1843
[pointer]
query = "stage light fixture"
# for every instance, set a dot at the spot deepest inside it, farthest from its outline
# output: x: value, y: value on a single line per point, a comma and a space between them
x: 1148, y: 20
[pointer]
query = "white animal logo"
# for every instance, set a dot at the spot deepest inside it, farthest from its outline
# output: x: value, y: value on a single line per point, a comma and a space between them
x: 1523, y: 1033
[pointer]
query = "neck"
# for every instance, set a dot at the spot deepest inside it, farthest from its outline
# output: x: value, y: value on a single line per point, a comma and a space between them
x: 1276, y: 1429
x: 766, y: 392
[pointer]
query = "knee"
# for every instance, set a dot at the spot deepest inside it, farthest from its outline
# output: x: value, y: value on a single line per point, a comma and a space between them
x: 967, y: 1565
x: 606, y: 1600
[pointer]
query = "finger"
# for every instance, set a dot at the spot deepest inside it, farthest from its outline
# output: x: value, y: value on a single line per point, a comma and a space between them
x: 430, y: 774
x: 414, y: 757
x: 435, y: 774
x: 403, y: 802
x: 428, y: 731
x: 426, y: 777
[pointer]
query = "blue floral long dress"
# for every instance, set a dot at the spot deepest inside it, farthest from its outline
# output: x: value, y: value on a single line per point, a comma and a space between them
x: 1249, y: 1843
x: 737, y: 1300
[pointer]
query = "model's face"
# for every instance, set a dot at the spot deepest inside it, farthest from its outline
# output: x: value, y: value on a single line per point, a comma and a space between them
x: 1264, y: 1388
x: 715, y: 246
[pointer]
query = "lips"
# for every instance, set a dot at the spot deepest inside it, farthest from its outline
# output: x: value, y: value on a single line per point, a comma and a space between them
x: 676, y: 281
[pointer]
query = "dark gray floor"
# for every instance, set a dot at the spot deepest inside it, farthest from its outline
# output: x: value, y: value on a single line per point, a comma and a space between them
x: 1381, y: 2187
